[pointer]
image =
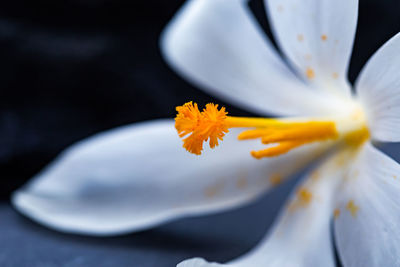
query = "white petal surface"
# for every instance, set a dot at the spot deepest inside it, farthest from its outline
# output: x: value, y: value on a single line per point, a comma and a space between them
x: 378, y: 88
x: 367, y: 231
x: 218, y: 45
x: 197, y: 262
x: 317, y: 37
x: 301, y: 237
x: 138, y: 176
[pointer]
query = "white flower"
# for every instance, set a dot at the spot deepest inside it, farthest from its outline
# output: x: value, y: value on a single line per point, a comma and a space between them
x: 139, y: 176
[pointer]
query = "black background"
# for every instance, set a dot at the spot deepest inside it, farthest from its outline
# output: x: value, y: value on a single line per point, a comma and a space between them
x: 70, y: 69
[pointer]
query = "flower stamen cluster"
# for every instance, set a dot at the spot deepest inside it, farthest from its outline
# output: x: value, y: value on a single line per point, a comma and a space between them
x: 283, y: 134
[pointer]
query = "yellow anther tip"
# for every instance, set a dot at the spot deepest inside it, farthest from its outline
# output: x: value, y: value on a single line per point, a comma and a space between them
x: 255, y: 154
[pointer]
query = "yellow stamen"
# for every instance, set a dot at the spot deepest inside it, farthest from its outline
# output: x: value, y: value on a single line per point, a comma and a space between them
x: 282, y: 135
x: 357, y: 137
x: 307, y: 131
x: 244, y: 122
x: 278, y: 150
x: 254, y: 134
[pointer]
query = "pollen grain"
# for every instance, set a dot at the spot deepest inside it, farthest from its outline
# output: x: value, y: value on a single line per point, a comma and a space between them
x: 336, y: 213
x: 353, y: 208
x: 275, y: 179
x: 310, y: 73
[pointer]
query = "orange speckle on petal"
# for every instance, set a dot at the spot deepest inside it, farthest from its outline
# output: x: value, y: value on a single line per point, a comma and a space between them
x: 310, y: 73
x: 341, y: 160
x: 241, y: 183
x: 213, y: 190
x: 300, y: 37
x: 336, y: 213
x: 353, y: 208
x: 335, y: 75
x: 275, y: 179
x: 315, y: 175
x: 304, y: 196
x: 303, y: 199
x: 324, y: 37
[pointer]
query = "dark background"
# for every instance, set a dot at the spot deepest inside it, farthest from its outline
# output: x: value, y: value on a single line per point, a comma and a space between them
x: 70, y: 69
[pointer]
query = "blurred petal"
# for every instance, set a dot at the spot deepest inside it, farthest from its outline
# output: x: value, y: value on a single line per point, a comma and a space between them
x: 317, y: 37
x: 301, y: 237
x: 197, y: 262
x: 379, y: 90
x: 218, y: 45
x: 139, y: 176
x: 367, y: 231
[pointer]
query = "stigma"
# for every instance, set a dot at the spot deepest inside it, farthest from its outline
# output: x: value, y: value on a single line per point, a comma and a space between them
x: 199, y: 127
x: 279, y: 136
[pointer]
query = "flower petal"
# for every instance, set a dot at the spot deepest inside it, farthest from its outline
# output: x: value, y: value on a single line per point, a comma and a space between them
x: 317, y: 37
x: 367, y: 231
x: 139, y: 176
x: 218, y: 45
x: 379, y: 90
x: 198, y: 262
x: 301, y: 236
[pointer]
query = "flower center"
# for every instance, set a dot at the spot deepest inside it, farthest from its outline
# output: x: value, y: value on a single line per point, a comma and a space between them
x: 280, y: 135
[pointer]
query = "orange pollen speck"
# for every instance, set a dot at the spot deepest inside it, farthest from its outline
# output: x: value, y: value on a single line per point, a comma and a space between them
x: 353, y: 208
x: 310, y: 73
x: 300, y: 37
x: 304, y: 196
x: 336, y: 213
x: 275, y: 179
x: 324, y: 37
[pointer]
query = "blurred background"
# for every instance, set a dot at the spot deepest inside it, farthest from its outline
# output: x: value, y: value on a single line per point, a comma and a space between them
x: 70, y: 69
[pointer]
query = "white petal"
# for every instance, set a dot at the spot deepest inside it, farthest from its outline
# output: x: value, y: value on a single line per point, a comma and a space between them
x: 197, y: 262
x: 139, y: 176
x: 317, y: 37
x: 218, y: 45
x: 367, y: 231
x: 301, y: 236
x: 379, y: 90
